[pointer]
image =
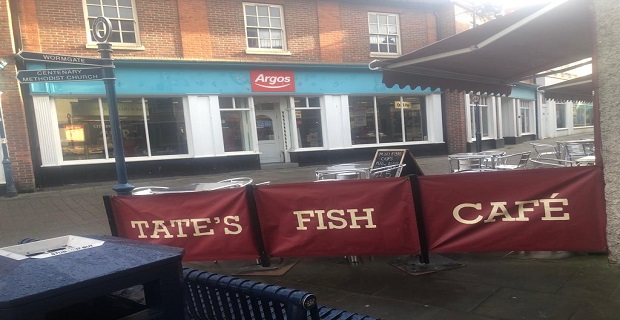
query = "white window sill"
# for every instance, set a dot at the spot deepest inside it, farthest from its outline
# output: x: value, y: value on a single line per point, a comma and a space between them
x: 384, y: 55
x: 267, y: 52
x: 308, y: 149
x: 93, y: 45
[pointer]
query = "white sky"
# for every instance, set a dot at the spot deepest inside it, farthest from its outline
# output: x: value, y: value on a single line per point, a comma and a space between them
x: 512, y: 2
x: 509, y: 3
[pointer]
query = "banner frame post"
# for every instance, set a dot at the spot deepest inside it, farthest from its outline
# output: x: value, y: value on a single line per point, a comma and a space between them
x: 417, y: 204
x: 263, y: 257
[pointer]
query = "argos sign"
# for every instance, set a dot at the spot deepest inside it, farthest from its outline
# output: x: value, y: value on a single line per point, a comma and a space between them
x: 272, y: 81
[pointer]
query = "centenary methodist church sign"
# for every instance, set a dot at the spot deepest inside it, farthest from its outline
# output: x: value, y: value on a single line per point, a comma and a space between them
x: 69, y: 74
x: 95, y: 69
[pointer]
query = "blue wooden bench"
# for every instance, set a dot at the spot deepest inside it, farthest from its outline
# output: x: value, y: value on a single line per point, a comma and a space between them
x: 211, y: 296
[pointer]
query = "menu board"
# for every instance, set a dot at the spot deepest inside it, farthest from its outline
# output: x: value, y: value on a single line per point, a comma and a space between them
x: 389, y: 157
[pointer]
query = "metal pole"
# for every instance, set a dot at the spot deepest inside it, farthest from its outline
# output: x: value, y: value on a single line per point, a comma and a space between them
x: 123, y: 187
x: 6, y: 161
x: 477, y: 124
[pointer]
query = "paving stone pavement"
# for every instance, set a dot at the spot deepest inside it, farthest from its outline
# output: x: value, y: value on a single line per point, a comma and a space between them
x: 497, y: 285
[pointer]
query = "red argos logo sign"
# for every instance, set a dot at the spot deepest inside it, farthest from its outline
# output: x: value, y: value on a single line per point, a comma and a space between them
x: 272, y: 81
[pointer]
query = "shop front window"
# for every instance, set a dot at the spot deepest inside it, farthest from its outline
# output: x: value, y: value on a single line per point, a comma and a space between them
x: 307, y: 111
x: 583, y: 115
x: 166, y: 126
x: 235, y: 116
x: 85, y: 129
x: 387, y: 119
x: 483, y: 112
x: 560, y: 115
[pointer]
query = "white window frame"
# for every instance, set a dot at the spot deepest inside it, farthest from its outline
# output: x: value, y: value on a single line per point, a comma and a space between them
x: 386, y: 34
x: 259, y: 50
x: 563, y: 114
x: 91, y: 43
x: 526, y: 106
x: 484, y: 105
x: 251, y: 129
x: 293, y: 123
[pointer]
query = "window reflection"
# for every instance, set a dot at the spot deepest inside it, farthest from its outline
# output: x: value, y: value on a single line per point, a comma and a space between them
x: 234, y: 113
x: 308, y: 122
x: 85, y: 128
x: 387, y: 119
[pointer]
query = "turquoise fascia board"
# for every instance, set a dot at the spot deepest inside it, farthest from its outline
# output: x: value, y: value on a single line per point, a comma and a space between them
x: 140, y: 78
x: 526, y: 92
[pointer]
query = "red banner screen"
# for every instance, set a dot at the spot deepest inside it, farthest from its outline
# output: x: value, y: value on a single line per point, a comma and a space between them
x: 213, y: 225
x: 330, y: 218
x: 529, y: 210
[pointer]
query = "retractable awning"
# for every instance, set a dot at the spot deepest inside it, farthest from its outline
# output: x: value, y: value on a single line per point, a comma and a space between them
x: 490, y: 57
x: 578, y: 89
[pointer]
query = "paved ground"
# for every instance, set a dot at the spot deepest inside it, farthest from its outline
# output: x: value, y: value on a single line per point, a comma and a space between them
x: 497, y: 285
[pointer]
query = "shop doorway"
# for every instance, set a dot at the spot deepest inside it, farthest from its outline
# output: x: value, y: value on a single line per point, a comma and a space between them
x: 268, y: 130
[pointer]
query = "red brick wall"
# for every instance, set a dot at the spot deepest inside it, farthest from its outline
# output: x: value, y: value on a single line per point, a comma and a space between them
x: 455, y: 121
x: 195, y: 30
x: 62, y: 29
x: 227, y: 25
x: 29, y: 25
x: 316, y: 31
x: 12, y: 108
x: 330, y: 31
x: 413, y: 29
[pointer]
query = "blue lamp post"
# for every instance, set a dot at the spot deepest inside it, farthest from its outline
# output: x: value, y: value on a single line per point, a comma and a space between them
x: 101, y: 32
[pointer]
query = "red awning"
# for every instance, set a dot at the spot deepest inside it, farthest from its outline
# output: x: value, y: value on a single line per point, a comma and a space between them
x: 578, y: 89
x: 490, y: 57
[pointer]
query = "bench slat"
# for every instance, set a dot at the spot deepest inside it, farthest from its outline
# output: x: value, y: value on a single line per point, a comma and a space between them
x: 212, y: 296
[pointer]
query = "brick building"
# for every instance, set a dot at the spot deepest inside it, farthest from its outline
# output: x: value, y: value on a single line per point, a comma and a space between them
x: 213, y: 86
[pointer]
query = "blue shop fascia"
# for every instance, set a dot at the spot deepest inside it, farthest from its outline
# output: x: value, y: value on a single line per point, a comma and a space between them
x: 196, y: 117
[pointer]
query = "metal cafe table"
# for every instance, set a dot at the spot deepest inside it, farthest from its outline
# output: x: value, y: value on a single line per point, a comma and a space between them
x: 474, y: 160
x: 345, y: 171
x: 39, y: 278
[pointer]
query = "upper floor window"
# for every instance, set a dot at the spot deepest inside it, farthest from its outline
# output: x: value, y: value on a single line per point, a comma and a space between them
x: 264, y: 26
x: 122, y: 15
x: 384, y: 33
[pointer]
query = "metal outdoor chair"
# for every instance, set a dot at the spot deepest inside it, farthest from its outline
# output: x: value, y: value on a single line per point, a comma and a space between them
x: 341, y: 174
x: 466, y: 164
x: 513, y: 161
x: 237, y: 182
x: 574, y: 151
x: 139, y: 191
x: 544, y: 150
x: 551, y: 163
x: 387, y: 172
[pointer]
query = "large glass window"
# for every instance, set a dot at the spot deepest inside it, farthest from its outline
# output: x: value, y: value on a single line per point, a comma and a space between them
x: 560, y: 115
x: 122, y: 15
x: 235, y: 115
x: 386, y: 119
x: 264, y: 26
x: 85, y: 130
x: 583, y: 115
x: 483, y: 112
x: 307, y: 112
x: 384, y: 33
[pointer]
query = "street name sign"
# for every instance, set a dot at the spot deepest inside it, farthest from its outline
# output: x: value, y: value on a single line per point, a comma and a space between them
x: 44, y: 57
x: 55, y: 75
